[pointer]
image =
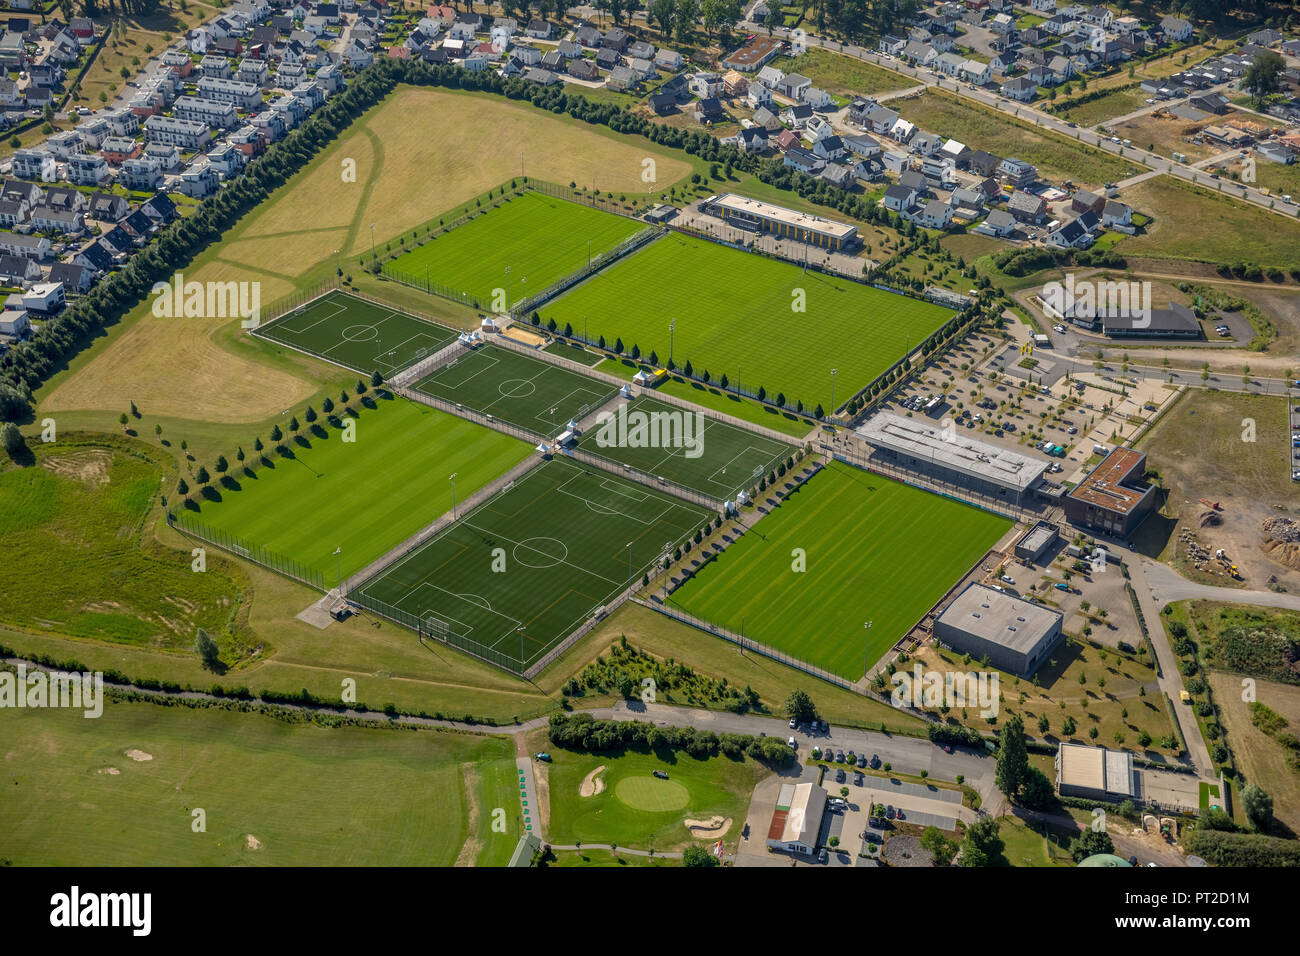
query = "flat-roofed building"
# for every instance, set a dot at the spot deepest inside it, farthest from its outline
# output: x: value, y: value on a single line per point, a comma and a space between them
x: 1012, y: 635
x: 1036, y: 541
x: 797, y: 819
x: 1112, y: 499
x: 778, y: 220
x: 927, y: 449
x: 1095, y: 773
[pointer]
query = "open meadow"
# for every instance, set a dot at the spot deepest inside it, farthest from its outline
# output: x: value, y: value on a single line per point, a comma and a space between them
x: 122, y: 790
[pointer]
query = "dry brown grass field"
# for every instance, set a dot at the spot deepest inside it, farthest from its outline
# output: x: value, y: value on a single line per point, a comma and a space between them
x: 405, y: 177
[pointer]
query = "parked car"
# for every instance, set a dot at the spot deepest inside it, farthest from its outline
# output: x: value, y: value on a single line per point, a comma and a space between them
x: 794, y: 744
x: 661, y: 774
x: 862, y: 760
x: 839, y: 756
x: 875, y: 762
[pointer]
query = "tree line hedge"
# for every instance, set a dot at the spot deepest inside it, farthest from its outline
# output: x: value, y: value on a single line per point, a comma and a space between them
x: 584, y: 732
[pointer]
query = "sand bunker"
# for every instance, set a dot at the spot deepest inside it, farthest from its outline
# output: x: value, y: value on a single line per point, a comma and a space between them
x: 139, y: 755
x: 252, y: 842
x: 592, y: 783
x: 710, y: 829
x: 111, y: 771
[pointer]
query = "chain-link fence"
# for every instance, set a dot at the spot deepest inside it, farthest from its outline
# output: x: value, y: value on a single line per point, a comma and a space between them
x: 430, y: 631
x: 193, y: 528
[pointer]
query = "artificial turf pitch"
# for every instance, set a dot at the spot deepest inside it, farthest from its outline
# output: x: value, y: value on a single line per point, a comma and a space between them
x: 521, y: 571
x: 538, y: 239
x: 363, y: 497
x: 877, y: 551
x: 733, y: 312
x: 516, y: 388
x: 725, y: 460
x: 358, y: 334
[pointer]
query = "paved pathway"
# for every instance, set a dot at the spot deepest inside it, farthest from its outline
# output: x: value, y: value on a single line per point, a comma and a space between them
x: 1167, y: 586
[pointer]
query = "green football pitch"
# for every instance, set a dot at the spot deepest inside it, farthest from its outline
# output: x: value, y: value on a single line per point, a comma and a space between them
x: 524, y: 569
x: 877, y: 552
x: 521, y: 247
x: 358, y: 334
x: 667, y: 441
x: 733, y: 313
x: 517, y: 388
x: 363, y: 497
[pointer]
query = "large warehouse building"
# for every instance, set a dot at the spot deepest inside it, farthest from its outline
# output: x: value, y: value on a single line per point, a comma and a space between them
x: 950, y: 456
x: 785, y: 223
x: 1095, y: 773
x: 1112, y: 499
x: 1013, y: 635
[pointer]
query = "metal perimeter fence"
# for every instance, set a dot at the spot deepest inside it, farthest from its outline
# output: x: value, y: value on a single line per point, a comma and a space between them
x: 296, y: 300
x: 599, y: 262
x: 267, y: 558
x: 780, y: 657
x: 431, y: 632
x: 426, y: 284
x: 667, y: 399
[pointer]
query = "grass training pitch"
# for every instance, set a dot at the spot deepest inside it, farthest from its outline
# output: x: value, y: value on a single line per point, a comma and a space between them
x: 516, y: 388
x: 734, y: 315
x: 358, y: 334
x: 521, y: 247
x: 725, y: 459
x: 876, y: 551
x: 365, y: 496
x: 529, y: 565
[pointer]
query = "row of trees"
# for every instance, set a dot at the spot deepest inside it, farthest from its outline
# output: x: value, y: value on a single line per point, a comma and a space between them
x: 584, y: 732
x: 25, y: 366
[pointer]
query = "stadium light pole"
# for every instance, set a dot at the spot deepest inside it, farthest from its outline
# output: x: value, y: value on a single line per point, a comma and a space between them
x: 629, y: 564
x: 834, y: 372
x: 372, y: 243
x: 453, y: 495
x: 672, y: 325
x: 553, y: 407
x: 338, y: 568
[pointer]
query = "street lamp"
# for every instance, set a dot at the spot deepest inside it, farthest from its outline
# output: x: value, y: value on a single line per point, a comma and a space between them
x: 453, y: 495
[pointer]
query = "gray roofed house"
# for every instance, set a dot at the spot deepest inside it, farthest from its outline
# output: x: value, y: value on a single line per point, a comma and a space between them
x: 1026, y: 207
x: 839, y: 176
x: 999, y: 223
